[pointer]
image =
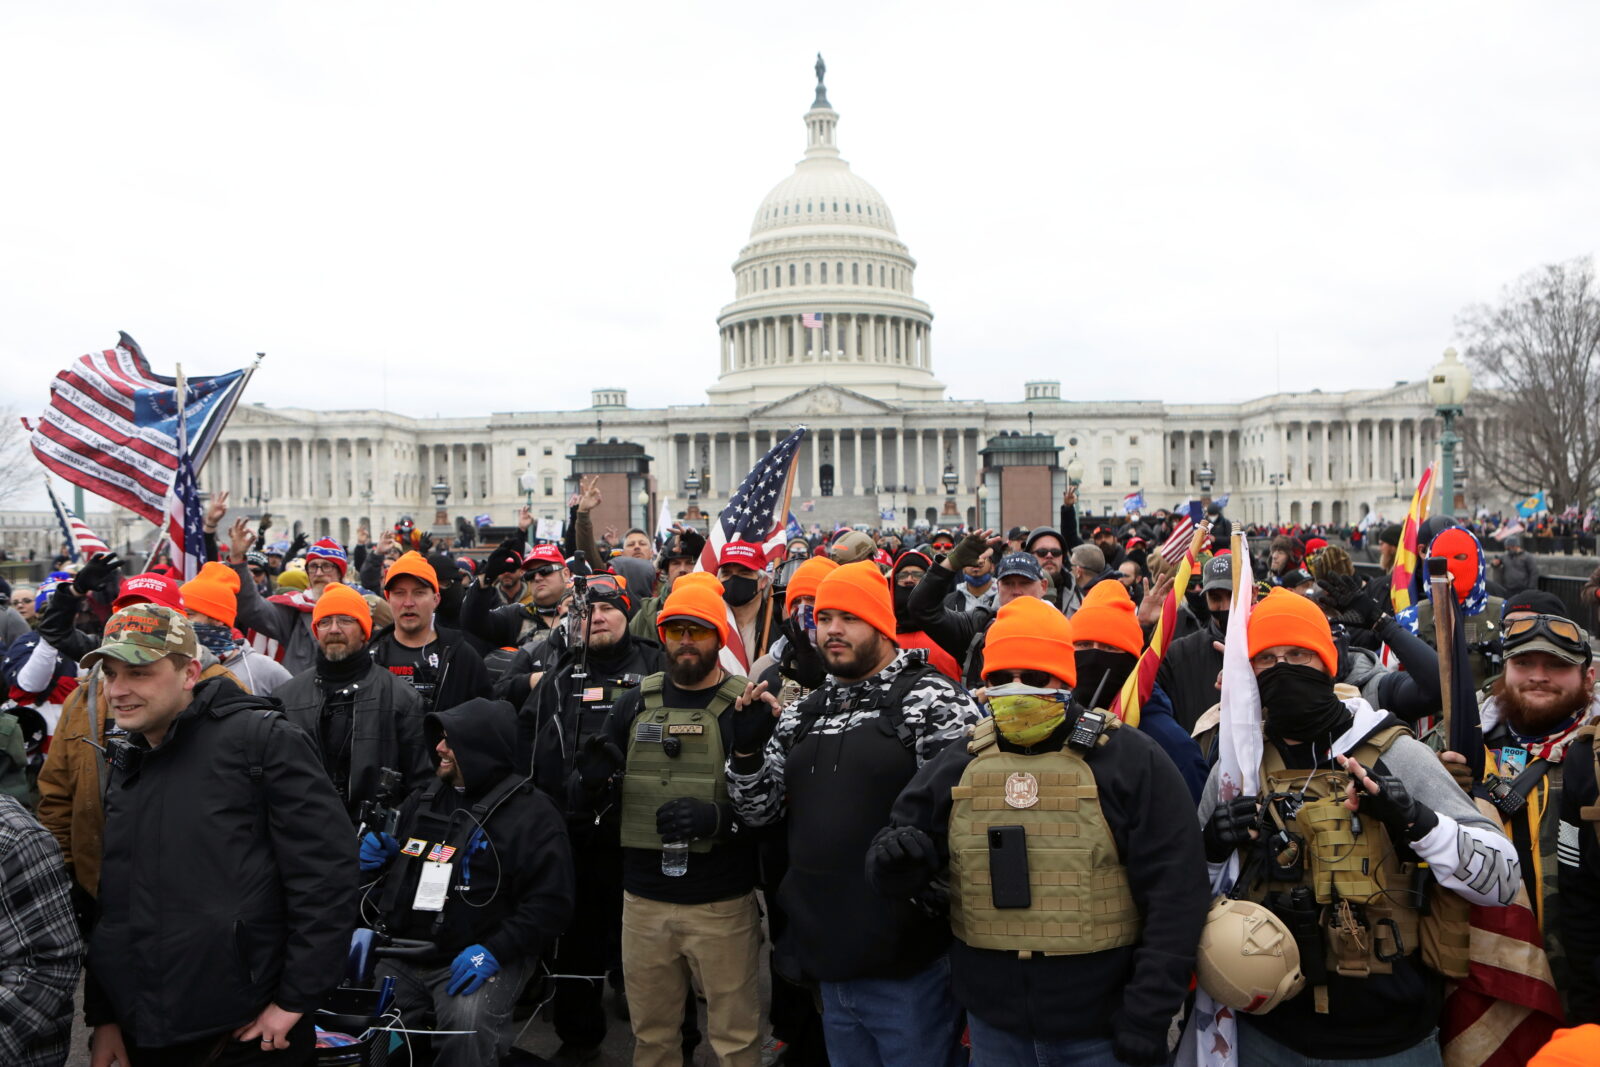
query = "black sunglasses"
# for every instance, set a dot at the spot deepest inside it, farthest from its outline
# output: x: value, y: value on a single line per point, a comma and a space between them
x: 544, y: 572
x: 1047, y: 553
x: 1037, y: 679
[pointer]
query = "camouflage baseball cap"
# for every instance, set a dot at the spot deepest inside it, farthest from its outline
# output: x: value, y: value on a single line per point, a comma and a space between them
x: 144, y: 633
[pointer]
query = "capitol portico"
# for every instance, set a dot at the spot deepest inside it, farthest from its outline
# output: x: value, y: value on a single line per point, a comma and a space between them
x: 884, y: 435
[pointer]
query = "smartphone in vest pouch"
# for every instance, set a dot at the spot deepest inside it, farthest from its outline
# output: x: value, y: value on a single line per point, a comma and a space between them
x: 1008, y: 867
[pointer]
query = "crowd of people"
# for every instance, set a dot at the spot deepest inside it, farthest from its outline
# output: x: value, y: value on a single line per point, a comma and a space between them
x: 595, y: 777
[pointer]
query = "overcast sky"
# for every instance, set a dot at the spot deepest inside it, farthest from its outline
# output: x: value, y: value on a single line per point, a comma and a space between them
x: 472, y: 207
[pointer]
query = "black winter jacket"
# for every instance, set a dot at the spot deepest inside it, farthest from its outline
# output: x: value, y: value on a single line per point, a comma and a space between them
x: 548, y: 726
x: 511, y: 887
x: 220, y: 893
x: 386, y: 728
x: 460, y: 671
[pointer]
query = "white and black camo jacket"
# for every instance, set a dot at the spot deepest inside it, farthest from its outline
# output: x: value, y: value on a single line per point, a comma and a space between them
x: 936, y: 710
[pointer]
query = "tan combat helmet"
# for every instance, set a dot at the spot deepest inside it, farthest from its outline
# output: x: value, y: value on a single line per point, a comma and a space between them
x: 1248, y: 959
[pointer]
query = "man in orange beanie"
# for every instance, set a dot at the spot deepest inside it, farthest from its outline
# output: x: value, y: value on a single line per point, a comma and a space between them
x: 440, y: 664
x: 855, y: 743
x: 282, y: 621
x: 1045, y: 779
x: 361, y: 717
x: 1107, y: 642
x: 688, y: 869
x: 210, y: 599
x: 1347, y: 780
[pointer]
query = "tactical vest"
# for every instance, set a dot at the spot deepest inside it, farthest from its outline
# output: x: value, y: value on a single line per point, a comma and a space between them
x: 592, y: 699
x: 1079, y: 888
x: 674, y: 752
x: 1369, y: 905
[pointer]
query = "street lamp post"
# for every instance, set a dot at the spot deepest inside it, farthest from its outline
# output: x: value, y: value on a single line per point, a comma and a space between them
x: 983, y: 499
x: 1276, y: 481
x: 1074, y: 471
x: 1449, y: 383
x: 950, y: 481
x: 1207, y: 476
x: 441, y: 515
x: 643, y: 500
x: 691, y: 485
x: 528, y: 481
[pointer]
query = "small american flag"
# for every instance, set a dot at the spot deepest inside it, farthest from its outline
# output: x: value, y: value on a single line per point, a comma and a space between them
x: 82, y: 544
x: 811, y: 320
x: 1173, y: 548
x: 756, y: 514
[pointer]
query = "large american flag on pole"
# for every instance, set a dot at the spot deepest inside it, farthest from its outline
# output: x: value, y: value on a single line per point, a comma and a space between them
x: 1173, y: 548
x: 82, y: 543
x: 185, y: 527
x: 756, y: 514
x: 111, y: 426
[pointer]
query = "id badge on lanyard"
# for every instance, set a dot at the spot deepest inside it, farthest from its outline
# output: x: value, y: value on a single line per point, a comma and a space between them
x: 433, y: 885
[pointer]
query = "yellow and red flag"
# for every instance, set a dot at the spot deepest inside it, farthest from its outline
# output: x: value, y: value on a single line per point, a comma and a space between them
x: 1405, y: 554
x: 1142, y: 679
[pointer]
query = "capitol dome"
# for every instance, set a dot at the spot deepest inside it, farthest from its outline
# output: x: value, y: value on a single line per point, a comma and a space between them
x: 823, y: 290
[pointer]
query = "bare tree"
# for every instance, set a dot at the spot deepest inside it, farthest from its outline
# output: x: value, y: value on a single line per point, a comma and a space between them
x: 1538, y: 352
x: 17, y: 464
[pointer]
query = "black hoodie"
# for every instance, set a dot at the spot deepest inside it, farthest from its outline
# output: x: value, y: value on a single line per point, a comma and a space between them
x: 511, y: 884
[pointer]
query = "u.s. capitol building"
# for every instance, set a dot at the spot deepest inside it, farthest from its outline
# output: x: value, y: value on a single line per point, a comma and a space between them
x: 885, y: 439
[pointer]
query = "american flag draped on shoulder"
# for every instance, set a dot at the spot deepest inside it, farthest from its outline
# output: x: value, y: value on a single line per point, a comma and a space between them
x: 111, y: 426
x: 82, y: 543
x: 1210, y: 1036
x: 1177, y: 543
x: 756, y: 514
x: 1142, y: 679
x: 1507, y: 1007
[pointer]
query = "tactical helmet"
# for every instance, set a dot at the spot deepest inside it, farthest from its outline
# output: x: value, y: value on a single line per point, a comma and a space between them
x: 1248, y: 958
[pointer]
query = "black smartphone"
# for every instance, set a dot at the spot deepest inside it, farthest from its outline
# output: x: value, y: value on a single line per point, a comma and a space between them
x: 1008, y: 867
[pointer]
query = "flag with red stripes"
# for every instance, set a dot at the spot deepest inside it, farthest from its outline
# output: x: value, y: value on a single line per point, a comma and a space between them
x: 111, y: 426
x: 1177, y: 543
x: 756, y: 513
x: 82, y: 542
x: 1507, y: 1007
x: 1142, y: 679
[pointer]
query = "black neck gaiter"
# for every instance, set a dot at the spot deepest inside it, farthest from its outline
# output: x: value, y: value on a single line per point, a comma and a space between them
x: 335, y: 676
x: 1299, y: 704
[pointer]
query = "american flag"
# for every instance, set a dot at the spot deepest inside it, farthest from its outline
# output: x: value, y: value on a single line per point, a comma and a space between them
x: 82, y: 544
x: 111, y: 426
x: 185, y: 527
x: 756, y: 514
x: 811, y: 320
x: 1173, y: 548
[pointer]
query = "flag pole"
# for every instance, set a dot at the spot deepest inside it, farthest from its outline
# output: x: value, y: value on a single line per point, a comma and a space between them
x: 180, y: 394
x: 1444, y: 635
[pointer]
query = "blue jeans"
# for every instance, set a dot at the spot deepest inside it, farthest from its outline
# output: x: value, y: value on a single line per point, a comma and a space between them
x: 894, y: 1022
x: 1001, y: 1048
x: 1256, y: 1048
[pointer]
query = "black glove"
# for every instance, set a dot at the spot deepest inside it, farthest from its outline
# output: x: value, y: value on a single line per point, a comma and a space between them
x: 56, y: 622
x: 597, y: 761
x: 901, y: 861
x: 1229, y: 827
x: 1406, y: 818
x: 503, y: 560
x: 1349, y: 595
x: 1136, y: 1047
x: 297, y: 546
x: 93, y: 575
x: 966, y: 552
x: 752, y: 725
x: 687, y: 819
x: 424, y: 542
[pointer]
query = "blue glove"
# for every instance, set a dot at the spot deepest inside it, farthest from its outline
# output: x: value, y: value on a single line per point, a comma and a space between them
x: 377, y: 849
x: 475, y: 966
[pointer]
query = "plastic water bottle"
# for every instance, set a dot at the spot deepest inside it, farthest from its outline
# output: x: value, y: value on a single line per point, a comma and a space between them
x: 674, y: 858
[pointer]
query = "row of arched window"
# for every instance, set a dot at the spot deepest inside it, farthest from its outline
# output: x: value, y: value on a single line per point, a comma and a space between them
x: 885, y: 275
x: 813, y: 207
